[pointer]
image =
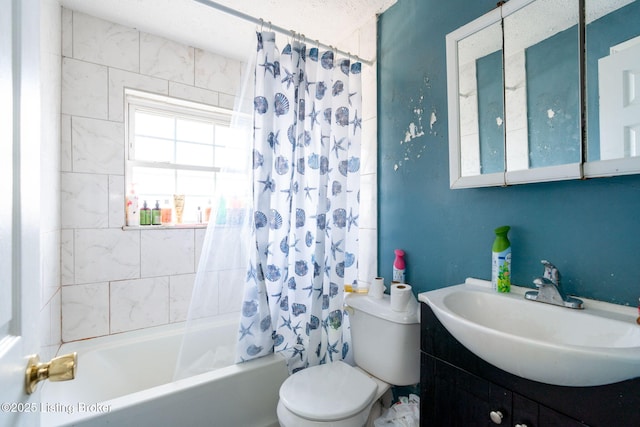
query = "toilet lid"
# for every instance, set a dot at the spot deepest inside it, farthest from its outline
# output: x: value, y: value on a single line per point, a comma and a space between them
x: 329, y: 392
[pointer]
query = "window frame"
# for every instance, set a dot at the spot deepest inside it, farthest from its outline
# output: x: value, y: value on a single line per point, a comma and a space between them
x: 136, y: 100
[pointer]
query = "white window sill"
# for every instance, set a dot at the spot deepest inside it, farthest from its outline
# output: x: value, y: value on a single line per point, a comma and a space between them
x: 186, y: 226
x: 164, y: 227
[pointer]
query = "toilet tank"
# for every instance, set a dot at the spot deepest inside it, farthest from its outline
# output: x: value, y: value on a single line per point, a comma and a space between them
x: 385, y: 343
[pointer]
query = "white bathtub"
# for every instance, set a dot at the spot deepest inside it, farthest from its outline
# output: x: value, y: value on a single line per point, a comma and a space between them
x: 127, y: 380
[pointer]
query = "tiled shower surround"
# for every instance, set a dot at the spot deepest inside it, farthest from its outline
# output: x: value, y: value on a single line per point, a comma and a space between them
x: 114, y: 280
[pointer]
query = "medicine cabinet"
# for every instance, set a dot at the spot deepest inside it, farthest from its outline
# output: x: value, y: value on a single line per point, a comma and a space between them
x: 520, y: 89
x: 612, y: 68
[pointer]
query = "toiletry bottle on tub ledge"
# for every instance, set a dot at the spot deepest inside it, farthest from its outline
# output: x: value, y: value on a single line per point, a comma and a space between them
x: 132, y: 213
x: 145, y: 214
x: 156, y: 214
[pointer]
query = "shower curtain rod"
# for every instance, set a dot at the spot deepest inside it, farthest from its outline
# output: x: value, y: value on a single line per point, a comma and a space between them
x: 281, y: 30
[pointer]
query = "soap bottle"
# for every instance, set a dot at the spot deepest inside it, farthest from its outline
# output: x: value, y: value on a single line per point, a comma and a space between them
x: 399, y: 266
x: 207, y: 212
x: 133, y: 216
x: 156, y: 214
x: 165, y: 213
x: 221, y: 217
x: 145, y: 214
x: 501, y: 261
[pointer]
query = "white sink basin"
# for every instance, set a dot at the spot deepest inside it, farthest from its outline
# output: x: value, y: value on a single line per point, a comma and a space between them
x: 541, y: 342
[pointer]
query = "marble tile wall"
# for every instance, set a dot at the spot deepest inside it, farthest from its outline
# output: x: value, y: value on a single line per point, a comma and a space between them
x: 49, y: 322
x: 114, y: 280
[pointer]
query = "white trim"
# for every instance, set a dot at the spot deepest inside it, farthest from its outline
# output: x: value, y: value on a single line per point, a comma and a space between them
x: 453, y: 89
x: 612, y: 167
x: 484, y: 180
x: 543, y: 174
x: 624, y: 45
x: 177, y: 105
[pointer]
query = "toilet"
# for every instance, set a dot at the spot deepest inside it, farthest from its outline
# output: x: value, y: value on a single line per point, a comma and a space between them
x: 386, y: 350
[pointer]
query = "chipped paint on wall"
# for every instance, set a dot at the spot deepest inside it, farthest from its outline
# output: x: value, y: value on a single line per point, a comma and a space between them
x: 550, y: 113
x: 413, y: 141
x: 413, y: 131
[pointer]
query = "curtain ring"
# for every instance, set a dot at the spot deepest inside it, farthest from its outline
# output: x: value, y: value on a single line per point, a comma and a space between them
x: 269, y: 26
x: 261, y: 24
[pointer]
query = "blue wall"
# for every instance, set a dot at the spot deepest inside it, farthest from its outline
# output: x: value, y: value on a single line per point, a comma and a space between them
x: 589, y: 229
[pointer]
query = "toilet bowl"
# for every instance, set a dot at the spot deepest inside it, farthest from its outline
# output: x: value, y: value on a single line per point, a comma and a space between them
x: 386, y: 351
x: 334, y: 394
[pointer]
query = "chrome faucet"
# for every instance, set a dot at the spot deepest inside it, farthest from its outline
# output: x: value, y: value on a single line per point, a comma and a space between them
x: 549, y: 289
x: 551, y: 272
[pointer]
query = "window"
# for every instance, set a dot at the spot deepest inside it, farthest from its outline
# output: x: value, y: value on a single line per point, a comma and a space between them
x: 176, y: 147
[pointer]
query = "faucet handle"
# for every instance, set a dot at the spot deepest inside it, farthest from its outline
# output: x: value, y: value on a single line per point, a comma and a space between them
x: 541, y: 282
x: 551, y: 272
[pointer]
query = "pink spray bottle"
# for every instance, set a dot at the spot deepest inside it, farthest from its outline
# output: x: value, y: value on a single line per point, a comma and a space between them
x: 399, y: 266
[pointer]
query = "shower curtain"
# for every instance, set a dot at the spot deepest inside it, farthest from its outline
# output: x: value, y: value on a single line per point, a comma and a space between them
x: 283, y: 230
x: 303, y: 247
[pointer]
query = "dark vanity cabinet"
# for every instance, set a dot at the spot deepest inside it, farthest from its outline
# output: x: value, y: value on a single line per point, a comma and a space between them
x: 460, y: 389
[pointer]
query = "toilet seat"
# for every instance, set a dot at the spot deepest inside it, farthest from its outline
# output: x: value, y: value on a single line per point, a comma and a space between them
x: 328, y: 392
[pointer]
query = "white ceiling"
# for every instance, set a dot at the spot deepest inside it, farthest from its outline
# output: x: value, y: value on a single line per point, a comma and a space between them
x: 198, y: 25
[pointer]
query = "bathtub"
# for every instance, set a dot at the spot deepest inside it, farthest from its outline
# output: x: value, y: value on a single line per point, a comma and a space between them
x: 127, y: 380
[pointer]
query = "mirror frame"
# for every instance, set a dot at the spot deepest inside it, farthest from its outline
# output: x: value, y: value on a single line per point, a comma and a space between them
x: 540, y: 174
x: 453, y: 90
x: 558, y: 172
x: 608, y: 167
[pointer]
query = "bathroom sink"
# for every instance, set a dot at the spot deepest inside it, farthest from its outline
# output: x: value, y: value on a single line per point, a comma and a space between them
x: 541, y: 342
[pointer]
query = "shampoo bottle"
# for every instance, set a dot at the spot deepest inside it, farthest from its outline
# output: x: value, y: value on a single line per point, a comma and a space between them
x: 501, y: 261
x: 133, y: 215
x: 399, y: 266
x: 145, y: 214
x: 156, y: 214
x: 207, y: 211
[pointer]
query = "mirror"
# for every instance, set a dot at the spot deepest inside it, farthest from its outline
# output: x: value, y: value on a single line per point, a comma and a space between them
x: 612, y: 68
x: 542, y: 90
x: 481, y: 102
x: 526, y: 128
x: 476, y: 106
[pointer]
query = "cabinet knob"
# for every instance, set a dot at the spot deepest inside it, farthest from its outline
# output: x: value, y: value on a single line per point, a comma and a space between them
x: 496, y: 417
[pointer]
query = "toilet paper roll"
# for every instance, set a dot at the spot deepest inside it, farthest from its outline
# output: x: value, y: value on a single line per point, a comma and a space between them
x: 401, y: 294
x: 376, y: 290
